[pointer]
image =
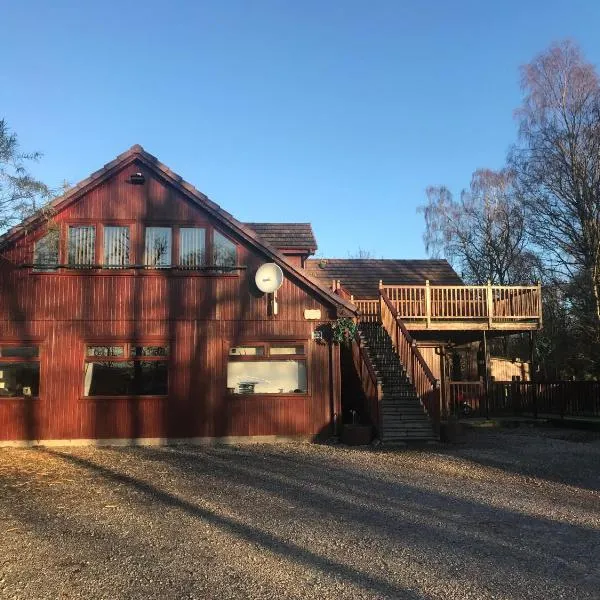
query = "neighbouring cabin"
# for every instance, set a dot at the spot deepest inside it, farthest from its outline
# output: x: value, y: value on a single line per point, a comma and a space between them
x: 133, y: 313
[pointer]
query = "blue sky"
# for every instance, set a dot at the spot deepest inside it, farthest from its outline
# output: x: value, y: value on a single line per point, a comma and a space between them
x: 335, y: 112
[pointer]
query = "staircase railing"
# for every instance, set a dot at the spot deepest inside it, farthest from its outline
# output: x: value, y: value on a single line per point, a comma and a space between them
x: 368, y: 379
x: 417, y: 369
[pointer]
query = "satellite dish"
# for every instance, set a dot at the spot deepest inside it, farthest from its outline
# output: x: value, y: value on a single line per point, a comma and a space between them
x: 269, y: 278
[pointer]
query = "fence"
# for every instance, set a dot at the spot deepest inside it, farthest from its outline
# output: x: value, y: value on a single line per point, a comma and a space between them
x: 526, y: 398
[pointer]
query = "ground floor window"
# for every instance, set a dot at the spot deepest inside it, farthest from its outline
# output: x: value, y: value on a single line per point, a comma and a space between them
x: 126, y: 369
x: 19, y: 370
x: 267, y: 368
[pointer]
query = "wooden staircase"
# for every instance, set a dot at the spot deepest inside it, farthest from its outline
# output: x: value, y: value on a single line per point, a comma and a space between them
x: 402, y: 416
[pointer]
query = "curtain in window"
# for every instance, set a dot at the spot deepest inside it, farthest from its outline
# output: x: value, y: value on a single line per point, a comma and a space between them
x: 191, y: 246
x: 158, y: 247
x: 116, y: 246
x: 82, y: 245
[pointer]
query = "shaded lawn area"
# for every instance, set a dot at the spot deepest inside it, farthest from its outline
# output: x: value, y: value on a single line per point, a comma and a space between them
x: 509, y: 514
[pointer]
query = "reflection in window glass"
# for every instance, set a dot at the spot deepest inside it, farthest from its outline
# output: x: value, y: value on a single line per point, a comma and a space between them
x: 158, y: 247
x: 19, y: 351
x: 81, y: 245
x: 126, y: 378
x: 224, y: 251
x: 105, y: 351
x: 45, y: 252
x: 267, y: 377
x: 192, y: 241
x: 19, y: 379
x: 149, y: 351
x: 247, y: 351
x: 116, y: 246
x: 287, y: 349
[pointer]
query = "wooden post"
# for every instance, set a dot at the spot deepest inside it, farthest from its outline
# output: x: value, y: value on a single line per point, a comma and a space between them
x: 540, y: 312
x: 486, y: 379
x: 531, y: 373
x: 490, y: 304
x: 428, y: 303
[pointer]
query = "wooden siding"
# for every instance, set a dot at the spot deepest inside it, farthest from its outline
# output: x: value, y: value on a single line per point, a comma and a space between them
x: 199, y: 315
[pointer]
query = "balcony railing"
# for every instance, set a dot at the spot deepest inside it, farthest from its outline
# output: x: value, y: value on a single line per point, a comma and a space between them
x: 435, y: 306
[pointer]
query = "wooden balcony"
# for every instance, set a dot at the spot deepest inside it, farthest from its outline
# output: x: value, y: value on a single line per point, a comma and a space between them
x: 467, y: 307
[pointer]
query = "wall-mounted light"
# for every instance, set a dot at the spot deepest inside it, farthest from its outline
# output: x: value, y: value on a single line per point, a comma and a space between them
x: 137, y: 179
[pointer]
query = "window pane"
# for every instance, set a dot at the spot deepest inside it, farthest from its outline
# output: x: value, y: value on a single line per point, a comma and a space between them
x: 82, y: 245
x: 192, y: 241
x: 287, y: 349
x: 224, y: 251
x: 267, y: 377
x: 116, y: 246
x: 105, y: 351
x: 149, y: 351
x: 108, y: 378
x: 20, y: 379
x: 152, y: 377
x: 127, y: 378
x: 19, y: 351
x: 158, y: 247
x: 45, y: 252
x: 247, y: 351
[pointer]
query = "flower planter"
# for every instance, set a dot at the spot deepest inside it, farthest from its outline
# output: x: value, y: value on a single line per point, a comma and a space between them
x: 357, y: 435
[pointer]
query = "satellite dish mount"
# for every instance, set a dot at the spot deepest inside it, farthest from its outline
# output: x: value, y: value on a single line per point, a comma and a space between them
x: 269, y: 278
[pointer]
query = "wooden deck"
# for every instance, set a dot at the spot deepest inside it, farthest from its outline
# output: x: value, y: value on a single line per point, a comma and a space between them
x: 459, y: 308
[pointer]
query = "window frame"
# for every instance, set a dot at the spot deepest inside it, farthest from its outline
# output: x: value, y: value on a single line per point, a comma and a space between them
x: 19, y: 359
x: 65, y: 244
x: 126, y: 357
x: 100, y: 227
x: 268, y: 357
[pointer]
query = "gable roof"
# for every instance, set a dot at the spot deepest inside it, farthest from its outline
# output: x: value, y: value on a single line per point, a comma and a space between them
x: 137, y: 153
x: 361, y: 276
x: 286, y: 236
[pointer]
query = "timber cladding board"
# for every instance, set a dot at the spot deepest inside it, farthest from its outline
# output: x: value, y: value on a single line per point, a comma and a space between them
x: 194, y: 313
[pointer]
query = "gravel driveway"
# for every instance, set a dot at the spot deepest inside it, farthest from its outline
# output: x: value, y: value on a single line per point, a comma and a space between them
x: 508, y: 514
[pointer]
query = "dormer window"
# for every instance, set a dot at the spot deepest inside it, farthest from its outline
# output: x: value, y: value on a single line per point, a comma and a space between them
x: 81, y: 246
x: 158, y: 247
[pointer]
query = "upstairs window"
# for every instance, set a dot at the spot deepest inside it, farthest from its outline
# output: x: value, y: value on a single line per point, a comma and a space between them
x: 158, y: 247
x: 224, y: 251
x: 81, y: 246
x: 45, y: 252
x: 116, y: 247
x: 192, y: 247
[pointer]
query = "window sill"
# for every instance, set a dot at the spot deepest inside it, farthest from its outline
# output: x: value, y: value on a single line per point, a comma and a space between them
x: 129, y: 397
x: 2, y: 398
x: 261, y: 396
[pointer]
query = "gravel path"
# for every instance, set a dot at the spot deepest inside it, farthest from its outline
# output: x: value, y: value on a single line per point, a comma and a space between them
x: 509, y: 514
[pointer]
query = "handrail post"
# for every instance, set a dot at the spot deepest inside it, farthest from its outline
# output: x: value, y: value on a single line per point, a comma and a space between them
x: 428, y: 303
x: 490, y: 303
x: 539, y: 302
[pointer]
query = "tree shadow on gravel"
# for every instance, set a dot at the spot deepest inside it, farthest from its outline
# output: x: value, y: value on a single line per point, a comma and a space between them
x: 248, y: 533
x: 396, y: 513
x: 570, y: 460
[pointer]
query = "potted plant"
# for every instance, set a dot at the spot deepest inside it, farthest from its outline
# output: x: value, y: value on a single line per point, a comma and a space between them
x: 343, y: 331
x: 355, y: 433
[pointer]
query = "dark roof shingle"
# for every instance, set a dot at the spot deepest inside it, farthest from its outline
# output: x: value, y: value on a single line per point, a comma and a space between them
x: 361, y: 276
x: 286, y: 236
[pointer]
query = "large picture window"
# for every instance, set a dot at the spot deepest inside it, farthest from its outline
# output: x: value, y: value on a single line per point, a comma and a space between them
x: 116, y: 246
x: 126, y: 370
x: 267, y: 368
x: 158, y: 247
x: 81, y: 245
x: 19, y: 371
